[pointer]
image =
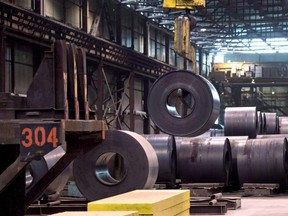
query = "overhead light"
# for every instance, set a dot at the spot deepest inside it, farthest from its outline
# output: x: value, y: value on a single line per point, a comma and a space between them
x: 129, y: 2
x: 155, y: 16
x: 144, y: 9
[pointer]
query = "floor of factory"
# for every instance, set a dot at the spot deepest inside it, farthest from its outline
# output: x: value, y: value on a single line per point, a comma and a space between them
x: 259, y: 206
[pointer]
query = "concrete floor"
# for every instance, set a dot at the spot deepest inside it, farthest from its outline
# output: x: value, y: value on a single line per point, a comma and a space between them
x: 260, y: 206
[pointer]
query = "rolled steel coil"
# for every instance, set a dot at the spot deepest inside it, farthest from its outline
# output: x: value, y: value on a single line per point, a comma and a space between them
x: 204, y: 160
x: 240, y: 121
x: 123, y: 162
x: 263, y: 161
x: 165, y: 148
x: 283, y: 125
x: 271, y: 123
x: 181, y: 103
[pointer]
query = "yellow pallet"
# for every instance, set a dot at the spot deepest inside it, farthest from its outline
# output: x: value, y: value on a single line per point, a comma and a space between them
x: 99, y: 213
x: 144, y: 201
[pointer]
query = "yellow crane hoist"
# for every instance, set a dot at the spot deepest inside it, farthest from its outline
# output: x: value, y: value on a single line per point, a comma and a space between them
x: 183, y: 26
x: 183, y: 4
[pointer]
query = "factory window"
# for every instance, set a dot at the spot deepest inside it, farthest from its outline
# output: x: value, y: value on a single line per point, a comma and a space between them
x: 157, y: 44
x: 73, y: 13
x: 126, y: 27
x: 160, y: 46
x: 68, y: 11
x: 18, y: 67
x: 8, y: 68
x: 171, y: 51
x: 139, y: 34
x: 23, y: 68
x: 94, y: 18
x: 24, y: 3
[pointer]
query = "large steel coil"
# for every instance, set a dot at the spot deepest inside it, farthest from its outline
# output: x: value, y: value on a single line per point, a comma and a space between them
x: 271, y: 123
x: 240, y: 121
x: 204, y: 160
x: 182, y: 103
x: 165, y: 148
x: 263, y: 161
x: 125, y: 161
x: 283, y: 125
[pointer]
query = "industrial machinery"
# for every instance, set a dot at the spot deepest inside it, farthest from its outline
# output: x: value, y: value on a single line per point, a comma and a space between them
x: 54, y: 112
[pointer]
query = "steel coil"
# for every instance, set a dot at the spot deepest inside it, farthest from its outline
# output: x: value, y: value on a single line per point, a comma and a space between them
x: 125, y: 161
x: 181, y: 103
x: 271, y: 123
x: 204, y: 160
x: 240, y: 121
x: 263, y: 161
x: 165, y: 148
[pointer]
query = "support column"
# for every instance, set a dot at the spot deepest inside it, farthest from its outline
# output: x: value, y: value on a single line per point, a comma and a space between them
x: 132, y: 100
x: 99, y: 102
x: 146, y: 121
x: 85, y: 15
x: 2, y: 58
x: 167, y: 50
x: 118, y: 27
x: 146, y: 39
x: 200, y: 62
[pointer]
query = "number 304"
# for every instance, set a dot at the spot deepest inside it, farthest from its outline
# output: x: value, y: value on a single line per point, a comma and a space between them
x: 38, y: 136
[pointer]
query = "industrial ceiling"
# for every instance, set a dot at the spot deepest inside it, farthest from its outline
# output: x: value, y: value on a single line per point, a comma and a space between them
x: 251, y: 26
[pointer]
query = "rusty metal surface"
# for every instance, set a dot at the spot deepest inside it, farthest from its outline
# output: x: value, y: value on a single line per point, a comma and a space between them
x: 72, y: 82
x: 35, y: 28
x: 42, y: 86
x: 82, y: 83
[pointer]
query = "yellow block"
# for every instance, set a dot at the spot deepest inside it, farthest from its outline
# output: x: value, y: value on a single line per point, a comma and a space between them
x: 98, y: 213
x: 143, y: 201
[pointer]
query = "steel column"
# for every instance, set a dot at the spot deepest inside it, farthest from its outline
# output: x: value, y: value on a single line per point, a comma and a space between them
x: 132, y: 100
x: 2, y: 58
x: 99, y: 102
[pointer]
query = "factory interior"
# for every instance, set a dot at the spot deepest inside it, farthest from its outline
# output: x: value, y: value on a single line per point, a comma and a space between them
x: 143, y: 107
